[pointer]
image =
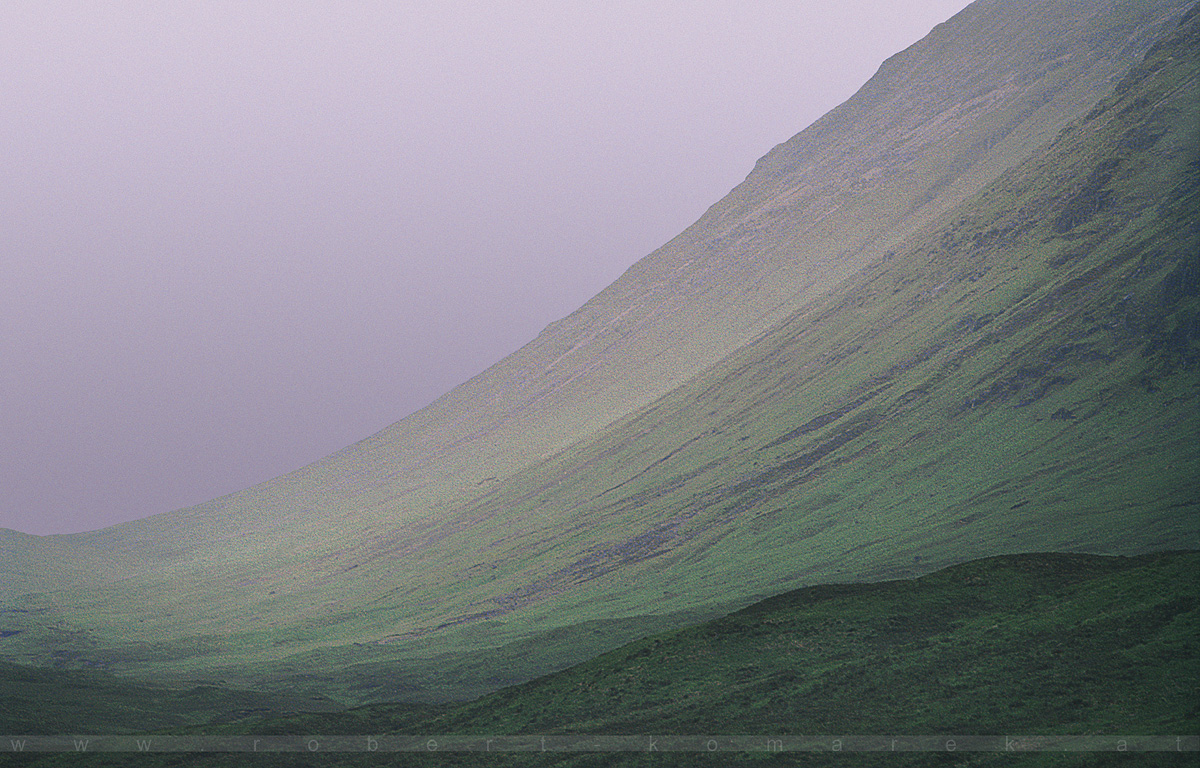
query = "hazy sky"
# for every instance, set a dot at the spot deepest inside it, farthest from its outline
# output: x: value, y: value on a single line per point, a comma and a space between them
x: 237, y: 236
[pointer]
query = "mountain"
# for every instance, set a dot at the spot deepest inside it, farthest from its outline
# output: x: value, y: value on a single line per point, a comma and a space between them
x: 956, y: 317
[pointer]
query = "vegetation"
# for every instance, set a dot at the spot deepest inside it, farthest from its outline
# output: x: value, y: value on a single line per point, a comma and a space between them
x: 1018, y: 374
x: 1030, y: 644
x: 48, y: 701
x: 1023, y: 645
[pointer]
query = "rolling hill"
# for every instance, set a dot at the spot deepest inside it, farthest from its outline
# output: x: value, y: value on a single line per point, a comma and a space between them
x: 1029, y: 645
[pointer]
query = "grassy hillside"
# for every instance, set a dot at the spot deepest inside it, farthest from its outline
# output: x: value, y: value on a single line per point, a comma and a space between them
x: 49, y: 701
x: 1017, y: 375
x: 1035, y: 644
x: 1021, y: 376
x: 937, y: 123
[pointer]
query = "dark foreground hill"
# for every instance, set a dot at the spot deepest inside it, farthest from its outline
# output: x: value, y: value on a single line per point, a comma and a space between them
x: 1023, y: 645
x: 1036, y: 644
x: 1017, y: 375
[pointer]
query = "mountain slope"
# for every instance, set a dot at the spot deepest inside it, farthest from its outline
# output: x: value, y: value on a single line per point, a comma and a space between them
x: 1018, y: 375
x: 937, y: 122
x: 1021, y: 376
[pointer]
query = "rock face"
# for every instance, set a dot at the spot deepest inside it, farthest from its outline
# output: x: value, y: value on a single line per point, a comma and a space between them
x: 933, y: 325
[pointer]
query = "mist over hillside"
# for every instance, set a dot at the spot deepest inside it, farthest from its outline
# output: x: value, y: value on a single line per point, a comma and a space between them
x: 956, y: 317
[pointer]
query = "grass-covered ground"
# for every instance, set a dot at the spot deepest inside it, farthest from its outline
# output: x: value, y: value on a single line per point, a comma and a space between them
x: 1037, y: 644
x: 1034, y: 644
x: 48, y: 701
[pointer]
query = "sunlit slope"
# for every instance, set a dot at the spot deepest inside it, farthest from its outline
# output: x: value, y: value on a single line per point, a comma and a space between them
x: 938, y: 121
x: 1020, y: 375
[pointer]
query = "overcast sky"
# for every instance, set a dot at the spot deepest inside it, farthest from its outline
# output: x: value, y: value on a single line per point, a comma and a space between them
x: 238, y: 236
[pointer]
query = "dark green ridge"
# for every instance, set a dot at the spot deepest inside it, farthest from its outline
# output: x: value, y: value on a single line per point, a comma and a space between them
x: 1038, y: 643
x: 1029, y: 644
x: 1019, y: 376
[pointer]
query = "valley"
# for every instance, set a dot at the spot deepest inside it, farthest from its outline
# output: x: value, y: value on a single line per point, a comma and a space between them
x: 946, y: 338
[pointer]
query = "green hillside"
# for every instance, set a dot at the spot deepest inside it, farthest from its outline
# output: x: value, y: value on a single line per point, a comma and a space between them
x: 1031, y: 644
x: 1017, y: 373
x: 50, y: 701
x: 1035, y: 644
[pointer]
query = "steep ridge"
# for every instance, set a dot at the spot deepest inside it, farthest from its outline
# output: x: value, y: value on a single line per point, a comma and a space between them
x: 1020, y: 376
x: 937, y: 122
x: 734, y: 273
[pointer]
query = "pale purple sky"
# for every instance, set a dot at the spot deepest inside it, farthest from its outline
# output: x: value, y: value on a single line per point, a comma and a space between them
x: 238, y: 236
